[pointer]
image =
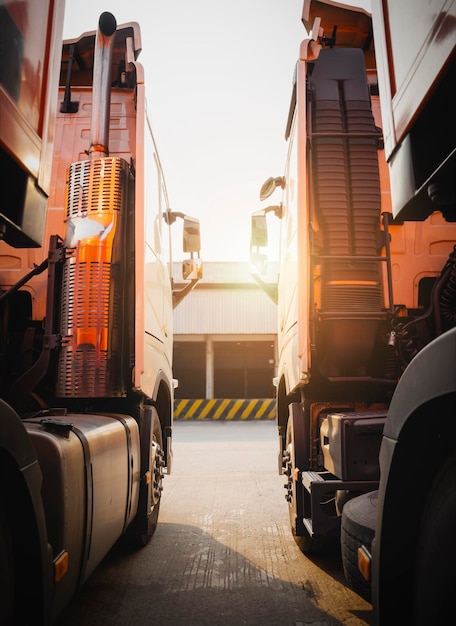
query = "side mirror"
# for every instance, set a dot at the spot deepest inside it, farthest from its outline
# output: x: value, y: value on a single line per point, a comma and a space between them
x: 258, y: 239
x: 191, y: 235
x: 192, y: 269
x: 259, y: 231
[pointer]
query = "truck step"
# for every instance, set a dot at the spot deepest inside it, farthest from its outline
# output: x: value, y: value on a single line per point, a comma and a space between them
x: 311, y: 477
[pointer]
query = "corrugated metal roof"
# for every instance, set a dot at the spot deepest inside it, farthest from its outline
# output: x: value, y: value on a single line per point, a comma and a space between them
x: 226, y: 301
x: 226, y: 311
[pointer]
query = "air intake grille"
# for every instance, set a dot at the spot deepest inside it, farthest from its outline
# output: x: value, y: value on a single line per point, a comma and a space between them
x: 345, y: 201
x: 346, y: 186
x: 346, y: 300
x: 90, y: 363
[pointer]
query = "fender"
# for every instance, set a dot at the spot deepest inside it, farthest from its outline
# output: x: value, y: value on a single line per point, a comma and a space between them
x: 23, y: 486
x: 419, y: 434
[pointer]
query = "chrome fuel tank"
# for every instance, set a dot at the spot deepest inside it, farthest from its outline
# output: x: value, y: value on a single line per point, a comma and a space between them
x: 91, y: 472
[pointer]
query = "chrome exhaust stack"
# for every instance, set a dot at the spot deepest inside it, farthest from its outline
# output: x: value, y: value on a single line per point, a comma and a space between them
x: 101, y: 93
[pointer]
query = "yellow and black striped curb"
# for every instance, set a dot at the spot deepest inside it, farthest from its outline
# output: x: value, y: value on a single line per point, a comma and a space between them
x: 223, y: 409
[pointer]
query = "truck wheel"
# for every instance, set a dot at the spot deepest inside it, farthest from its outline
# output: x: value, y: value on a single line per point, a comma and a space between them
x: 145, y: 523
x: 358, y: 528
x: 6, y: 574
x: 435, y: 587
x: 293, y: 459
x: 156, y: 472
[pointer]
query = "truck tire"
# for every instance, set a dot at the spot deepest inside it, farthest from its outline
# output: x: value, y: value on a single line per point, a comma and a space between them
x: 434, y: 585
x: 358, y: 528
x: 156, y: 470
x: 157, y: 464
x: 6, y: 574
x: 145, y: 524
x: 294, y: 457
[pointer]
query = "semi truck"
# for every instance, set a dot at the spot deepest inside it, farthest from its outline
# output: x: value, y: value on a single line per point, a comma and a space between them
x: 86, y: 306
x: 366, y: 380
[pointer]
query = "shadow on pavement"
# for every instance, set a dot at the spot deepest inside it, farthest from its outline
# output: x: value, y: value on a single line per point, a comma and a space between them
x: 185, y: 577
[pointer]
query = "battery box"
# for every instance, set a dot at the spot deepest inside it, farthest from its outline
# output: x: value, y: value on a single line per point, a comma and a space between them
x: 350, y: 443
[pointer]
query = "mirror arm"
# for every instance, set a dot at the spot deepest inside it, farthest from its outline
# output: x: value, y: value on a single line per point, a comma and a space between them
x: 171, y: 216
x: 179, y: 294
x: 277, y: 209
x: 270, y: 289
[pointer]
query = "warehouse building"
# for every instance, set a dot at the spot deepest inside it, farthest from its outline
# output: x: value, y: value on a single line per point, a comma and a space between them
x: 225, y: 336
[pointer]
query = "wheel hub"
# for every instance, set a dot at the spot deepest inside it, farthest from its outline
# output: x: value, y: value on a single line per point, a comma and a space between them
x: 288, y: 471
x: 158, y: 463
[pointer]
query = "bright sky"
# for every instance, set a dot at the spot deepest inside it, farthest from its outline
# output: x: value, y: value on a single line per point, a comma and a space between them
x: 219, y: 78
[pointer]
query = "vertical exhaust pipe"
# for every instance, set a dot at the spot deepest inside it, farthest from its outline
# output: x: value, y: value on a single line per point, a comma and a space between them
x: 101, y: 94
